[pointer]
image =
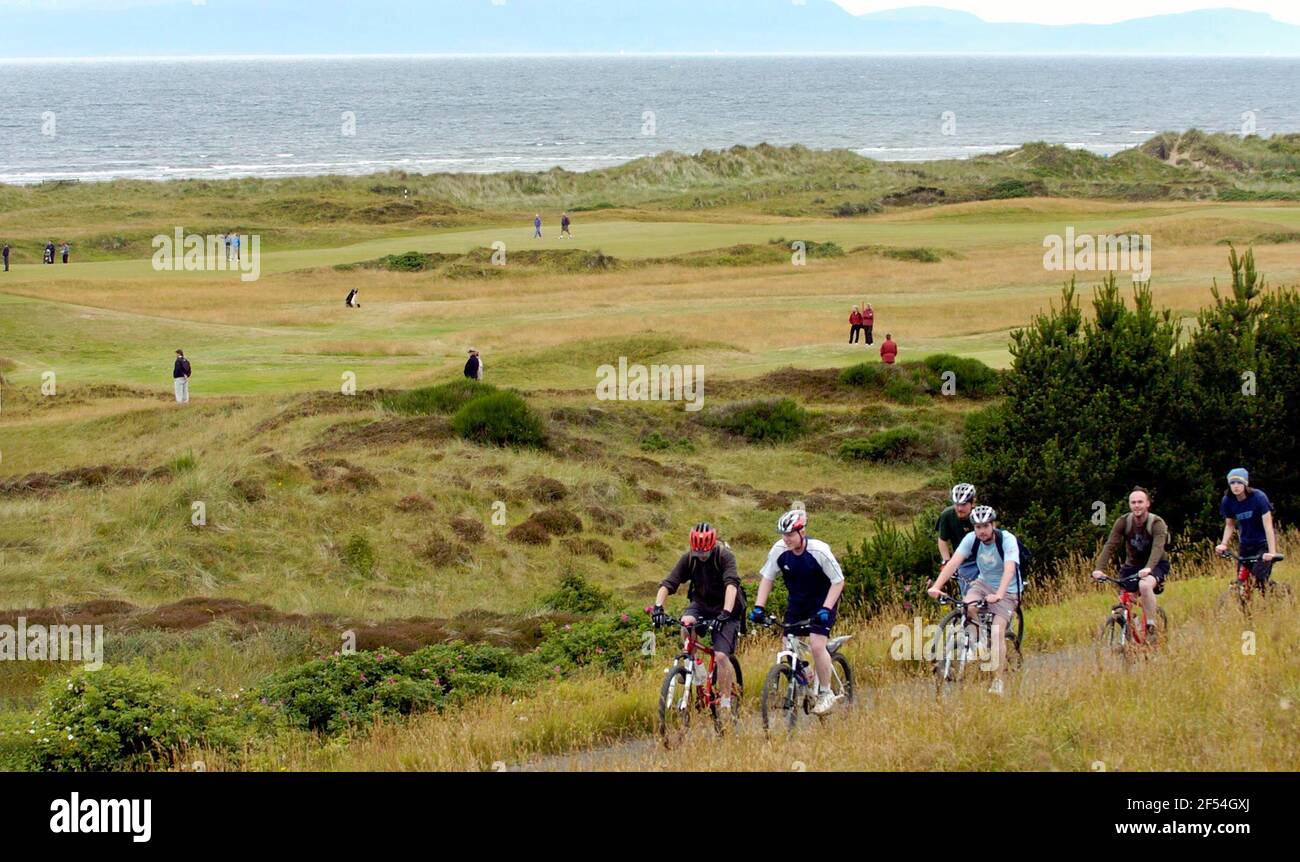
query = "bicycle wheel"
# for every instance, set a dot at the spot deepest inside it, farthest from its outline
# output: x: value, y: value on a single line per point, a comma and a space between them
x: 967, y: 662
x: 947, y: 637
x: 675, y: 706
x: 1110, y: 639
x: 737, y: 691
x: 841, y: 683
x: 1015, y: 638
x: 780, y: 701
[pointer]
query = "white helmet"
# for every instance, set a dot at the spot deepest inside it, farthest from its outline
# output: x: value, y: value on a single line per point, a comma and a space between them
x: 983, y: 515
x: 795, y: 519
x: 963, y: 492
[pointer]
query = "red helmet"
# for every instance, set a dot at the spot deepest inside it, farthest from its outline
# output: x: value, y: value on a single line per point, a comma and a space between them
x: 703, y: 537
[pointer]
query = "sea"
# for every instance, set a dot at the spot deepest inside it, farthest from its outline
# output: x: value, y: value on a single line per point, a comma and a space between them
x: 214, y: 118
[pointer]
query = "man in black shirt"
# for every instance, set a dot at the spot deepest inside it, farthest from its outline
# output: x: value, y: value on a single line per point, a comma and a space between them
x: 715, y: 593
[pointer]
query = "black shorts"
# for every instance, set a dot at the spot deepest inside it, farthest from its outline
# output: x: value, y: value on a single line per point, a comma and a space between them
x: 793, y: 616
x: 725, y: 635
x: 1128, y: 574
x: 1260, y: 569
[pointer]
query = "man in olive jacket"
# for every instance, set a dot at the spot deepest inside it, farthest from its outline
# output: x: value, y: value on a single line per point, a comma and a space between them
x: 715, y: 593
x: 1143, y: 534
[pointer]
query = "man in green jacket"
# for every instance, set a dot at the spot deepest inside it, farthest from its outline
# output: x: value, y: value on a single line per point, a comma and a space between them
x: 1143, y: 534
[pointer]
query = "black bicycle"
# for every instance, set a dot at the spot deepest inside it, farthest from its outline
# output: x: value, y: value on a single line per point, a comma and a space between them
x: 963, y: 644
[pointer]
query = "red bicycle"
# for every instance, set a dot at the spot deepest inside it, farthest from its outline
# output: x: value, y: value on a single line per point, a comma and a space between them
x: 1245, y: 584
x: 1125, y: 628
x: 691, y: 685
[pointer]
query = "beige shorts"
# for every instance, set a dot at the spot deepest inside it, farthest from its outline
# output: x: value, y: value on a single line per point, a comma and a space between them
x: 1003, y: 610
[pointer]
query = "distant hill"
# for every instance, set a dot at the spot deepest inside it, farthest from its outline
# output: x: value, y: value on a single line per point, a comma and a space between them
x: 178, y: 27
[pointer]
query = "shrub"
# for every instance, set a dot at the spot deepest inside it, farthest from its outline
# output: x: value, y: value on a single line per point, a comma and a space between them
x: 117, y: 718
x: 612, y: 642
x: 972, y: 378
x: 408, y: 261
x: 593, y: 547
x: 356, y: 689
x: 893, y: 564
x: 359, y: 555
x: 917, y: 255
x: 469, y: 529
x: 776, y: 421
x: 557, y: 521
x: 893, y: 444
x: 545, y: 490
x: 655, y: 442
x: 444, y: 398
x: 576, y: 594
x: 501, y: 419
x: 864, y: 374
x: 529, y: 533
x: 900, y: 386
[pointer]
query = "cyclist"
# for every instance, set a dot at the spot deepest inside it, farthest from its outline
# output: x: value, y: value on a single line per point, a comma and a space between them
x: 1249, y: 510
x: 715, y: 593
x: 997, y: 556
x: 1143, y: 533
x: 814, y: 581
x: 952, y: 527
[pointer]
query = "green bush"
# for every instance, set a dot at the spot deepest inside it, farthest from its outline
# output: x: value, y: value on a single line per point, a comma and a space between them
x: 500, y: 419
x: 777, y: 421
x: 576, y: 594
x: 902, y: 387
x: 893, y: 444
x: 409, y: 261
x: 1095, y: 407
x: 445, y: 398
x: 893, y: 564
x: 972, y: 378
x: 611, y: 641
x: 120, y: 717
x: 359, y: 555
x: 918, y: 255
x: 871, y: 374
x: 355, y: 689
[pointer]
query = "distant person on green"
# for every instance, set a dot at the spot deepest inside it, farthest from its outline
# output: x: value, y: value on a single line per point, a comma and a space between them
x: 564, y: 226
x: 181, y: 378
x: 6, y: 256
x: 868, y: 321
x: 888, y: 350
x: 537, y: 226
x: 474, y: 366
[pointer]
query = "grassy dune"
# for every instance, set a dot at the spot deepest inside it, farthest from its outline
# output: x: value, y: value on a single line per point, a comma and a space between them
x: 98, y: 481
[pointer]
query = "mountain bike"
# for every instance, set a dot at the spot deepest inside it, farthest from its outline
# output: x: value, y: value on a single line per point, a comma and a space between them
x: 963, y: 644
x: 788, y: 690
x: 690, y: 685
x: 1246, y: 584
x: 1125, y: 627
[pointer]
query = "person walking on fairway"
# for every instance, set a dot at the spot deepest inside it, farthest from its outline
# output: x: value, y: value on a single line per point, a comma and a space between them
x: 855, y: 325
x: 537, y: 226
x: 226, y: 237
x: 49, y: 252
x: 564, y: 226
x: 868, y: 321
x: 236, y: 247
x: 474, y: 366
x: 181, y: 378
x: 888, y: 350
x: 65, y: 249
x: 6, y: 256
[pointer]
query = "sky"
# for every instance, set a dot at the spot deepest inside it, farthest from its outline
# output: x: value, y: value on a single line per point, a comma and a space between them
x: 1092, y: 12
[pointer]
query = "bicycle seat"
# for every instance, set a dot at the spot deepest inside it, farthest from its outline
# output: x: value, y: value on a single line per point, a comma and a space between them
x: 836, y: 643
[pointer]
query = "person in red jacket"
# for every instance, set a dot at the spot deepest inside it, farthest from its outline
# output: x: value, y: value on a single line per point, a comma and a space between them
x: 855, y: 325
x: 888, y: 350
x: 868, y: 321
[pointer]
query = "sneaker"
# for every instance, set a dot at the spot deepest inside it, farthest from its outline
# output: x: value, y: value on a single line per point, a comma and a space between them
x: 825, y: 703
x: 996, y: 688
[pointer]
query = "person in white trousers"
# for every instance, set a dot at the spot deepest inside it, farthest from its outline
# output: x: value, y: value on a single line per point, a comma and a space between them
x: 181, y: 378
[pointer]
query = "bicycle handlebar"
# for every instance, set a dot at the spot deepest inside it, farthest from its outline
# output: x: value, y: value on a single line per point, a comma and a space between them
x: 703, y: 624
x: 1229, y: 555
x: 949, y: 600
x: 768, y: 622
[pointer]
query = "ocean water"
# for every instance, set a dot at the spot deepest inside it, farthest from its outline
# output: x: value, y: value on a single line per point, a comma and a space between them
x: 277, y: 117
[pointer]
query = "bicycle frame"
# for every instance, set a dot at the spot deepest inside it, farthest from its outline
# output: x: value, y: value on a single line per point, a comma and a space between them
x: 704, y: 693
x: 1130, y: 606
